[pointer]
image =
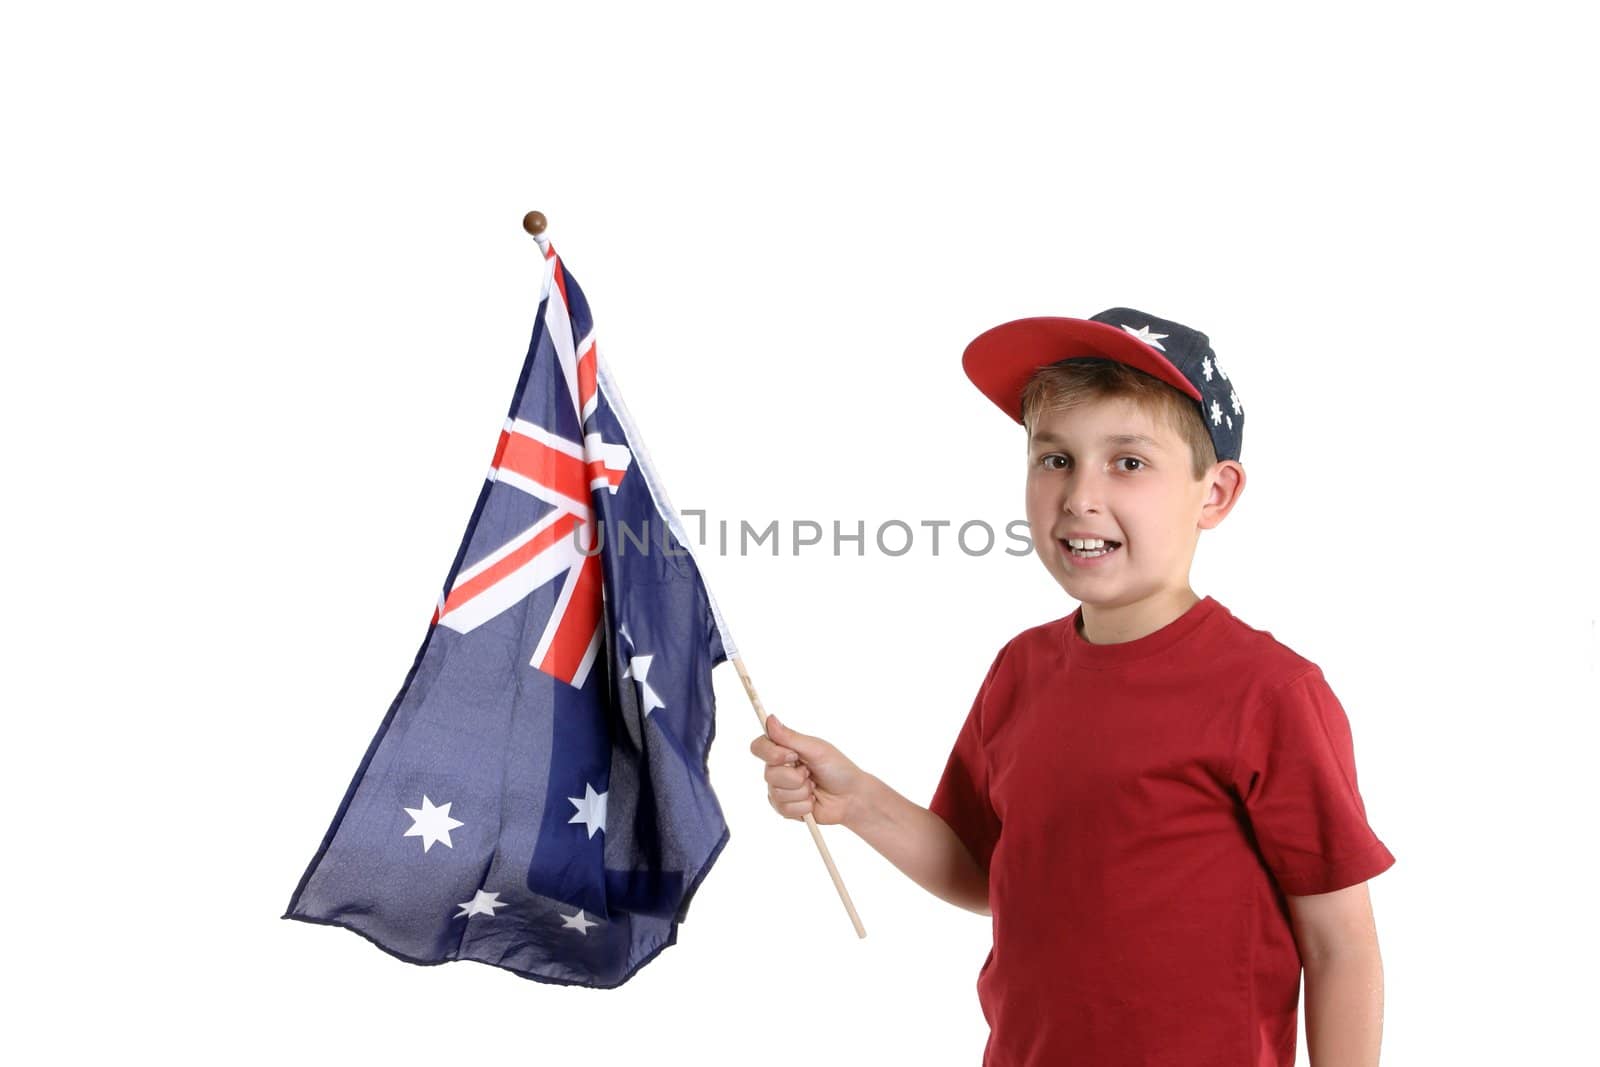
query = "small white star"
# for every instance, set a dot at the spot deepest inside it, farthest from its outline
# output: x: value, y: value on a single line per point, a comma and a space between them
x: 1221, y: 371
x: 1230, y: 421
x: 1216, y: 413
x: 1143, y: 333
x: 1233, y: 398
x: 576, y: 922
x: 432, y: 824
x: 1205, y: 365
x: 637, y: 668
x: 481, y: 904
x: 591, y: 809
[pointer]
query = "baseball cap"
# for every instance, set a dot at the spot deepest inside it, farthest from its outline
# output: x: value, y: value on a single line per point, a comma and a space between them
x: 1001, y: 360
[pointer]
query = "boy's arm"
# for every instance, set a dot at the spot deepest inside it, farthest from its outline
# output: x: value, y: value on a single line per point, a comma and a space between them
x: 920, y: 844
x: 1338, y: 943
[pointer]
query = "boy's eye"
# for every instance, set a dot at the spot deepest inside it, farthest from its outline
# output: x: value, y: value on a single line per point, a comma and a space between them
x: 1055, y: 461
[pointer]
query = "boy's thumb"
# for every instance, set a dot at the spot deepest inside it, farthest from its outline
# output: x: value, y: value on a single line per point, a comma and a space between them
x: 785, y: 736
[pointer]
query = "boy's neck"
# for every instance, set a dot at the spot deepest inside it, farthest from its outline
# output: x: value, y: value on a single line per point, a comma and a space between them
x: 1129, y: 622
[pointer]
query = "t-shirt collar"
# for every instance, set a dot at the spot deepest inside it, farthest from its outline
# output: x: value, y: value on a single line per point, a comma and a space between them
x: 1081, y: 653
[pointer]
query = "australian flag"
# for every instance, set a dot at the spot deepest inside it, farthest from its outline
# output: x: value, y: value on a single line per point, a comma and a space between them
x: 538, y: 797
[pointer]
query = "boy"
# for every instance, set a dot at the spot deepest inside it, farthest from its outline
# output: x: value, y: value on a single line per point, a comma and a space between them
x: 1157, y: 801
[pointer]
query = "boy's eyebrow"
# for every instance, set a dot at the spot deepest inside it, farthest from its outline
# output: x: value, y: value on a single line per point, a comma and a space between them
x: 1108, y: 439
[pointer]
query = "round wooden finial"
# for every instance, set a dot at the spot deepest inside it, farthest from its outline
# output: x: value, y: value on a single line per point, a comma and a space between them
x: 534, y: 222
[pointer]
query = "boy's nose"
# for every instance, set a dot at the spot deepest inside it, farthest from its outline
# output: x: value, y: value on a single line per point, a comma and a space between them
x: 1082, y: 495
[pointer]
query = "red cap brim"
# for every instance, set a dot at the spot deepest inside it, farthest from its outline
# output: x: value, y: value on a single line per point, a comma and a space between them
x: 1001, y: 360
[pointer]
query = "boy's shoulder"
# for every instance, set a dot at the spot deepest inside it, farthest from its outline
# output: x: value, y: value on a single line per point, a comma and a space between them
x: 1045, y: 638
x: 1261, y: 647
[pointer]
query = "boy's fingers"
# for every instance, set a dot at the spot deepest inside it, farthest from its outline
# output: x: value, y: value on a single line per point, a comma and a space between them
x: 789, y: 807
x: 787, y: 777
x: 790, y: 795
x: 783, y: 807
x: 772, y: 752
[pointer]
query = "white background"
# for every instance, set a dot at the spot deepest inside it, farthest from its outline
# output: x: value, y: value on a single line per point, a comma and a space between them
x: 267, y: 296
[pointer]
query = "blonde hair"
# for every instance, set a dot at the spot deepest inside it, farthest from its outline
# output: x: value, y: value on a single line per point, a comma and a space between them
x: 1073, y: 382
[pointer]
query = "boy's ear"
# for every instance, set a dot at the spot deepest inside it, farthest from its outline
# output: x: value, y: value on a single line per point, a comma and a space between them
x: 1227, y: 480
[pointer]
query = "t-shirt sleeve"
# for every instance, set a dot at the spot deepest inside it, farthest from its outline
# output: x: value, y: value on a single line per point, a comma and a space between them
x: 961, y: 798
x: 1296, y: 772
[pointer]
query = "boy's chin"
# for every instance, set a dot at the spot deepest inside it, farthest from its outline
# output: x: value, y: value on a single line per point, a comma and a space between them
x: 1079, y: 588
x: 1081, y: 582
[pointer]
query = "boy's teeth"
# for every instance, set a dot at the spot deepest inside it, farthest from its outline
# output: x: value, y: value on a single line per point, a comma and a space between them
x: 1090, y: 548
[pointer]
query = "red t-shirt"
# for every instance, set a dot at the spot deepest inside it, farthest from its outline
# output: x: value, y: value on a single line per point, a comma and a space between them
x: 1141, y: 808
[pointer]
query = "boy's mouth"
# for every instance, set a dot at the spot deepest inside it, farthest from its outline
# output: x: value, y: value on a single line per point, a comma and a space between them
x: 1091, y: 548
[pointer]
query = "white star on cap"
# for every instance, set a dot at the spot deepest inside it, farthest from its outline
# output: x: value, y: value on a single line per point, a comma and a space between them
x: 1205, y: 365
x: 1216, y: 413
x: 1143, y: 333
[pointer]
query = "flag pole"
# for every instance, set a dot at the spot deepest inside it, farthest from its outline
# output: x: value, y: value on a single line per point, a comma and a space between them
x: 535, y: 223
x: 811, y: 824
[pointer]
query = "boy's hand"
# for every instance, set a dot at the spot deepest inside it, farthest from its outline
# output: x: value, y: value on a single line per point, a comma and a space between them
x: 806, y: 774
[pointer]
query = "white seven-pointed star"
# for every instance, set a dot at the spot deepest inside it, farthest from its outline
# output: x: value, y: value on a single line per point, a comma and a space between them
x: 432, y: 824
x: 481, y: 904
x: 637, y: 668
x: 1216, y: 413
x: 1220, y: 371
x: 1233, y: 398
x: 591, y: 809
x: 1143, y: 333
x: 1205, y: 365
x: 576, y: 922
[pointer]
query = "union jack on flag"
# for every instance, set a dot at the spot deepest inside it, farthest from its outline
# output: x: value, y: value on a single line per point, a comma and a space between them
x: 538, y: 797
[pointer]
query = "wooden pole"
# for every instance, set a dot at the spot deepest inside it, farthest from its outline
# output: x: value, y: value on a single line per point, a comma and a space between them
x: 811, y: 824
x: 534, y: 222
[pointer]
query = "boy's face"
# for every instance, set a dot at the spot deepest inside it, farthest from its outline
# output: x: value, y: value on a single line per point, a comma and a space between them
x: 1138, y: 490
